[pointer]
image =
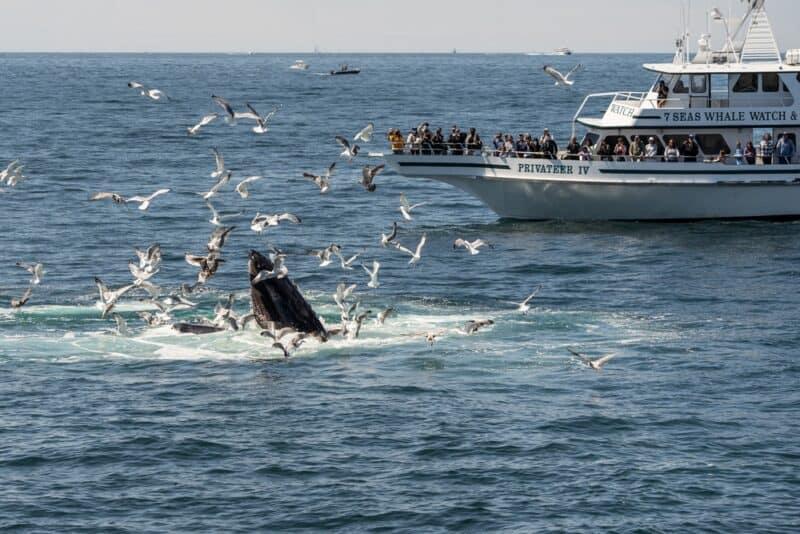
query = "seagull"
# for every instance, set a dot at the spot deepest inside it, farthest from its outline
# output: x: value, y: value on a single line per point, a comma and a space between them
x: 150, y: 258
x: 230, y: 115
x: 109, y: 298
x: 260, y: 222
x: 406, y: 208
x: 140, y: 275
x: 20, y: 302
x: 348, y: 152
x: 37, y: 270
x: 471, y: 246
x: 278, y: 271
x: 382, y: 316
x: 524, y: 306
x: 203, y: 122
x: 122, y: 326
x: 8, y: 170
x: 386, y: 239
x: 594, y: 364
x: 325, y: 254
x: 368, y: 174
x: 217, y: 218
x: 365, y: 135
x: 342, y: 294
x: 152, y: 94
x: 358, y: 320
x: 208, y: 265
x: 217, y: 239
x: 220, y: 161
x: 145, y: 201
x: 346, y: 264
x: 470, y: 327
x: 323, y: 181
x: 241, y: 187
x: 113, y: 196
x: 261, y: 126
x: 431, y: 337
x: 373, y: 274
x: 415, y: 256
x: 560, y: 78
x: 222, y: 182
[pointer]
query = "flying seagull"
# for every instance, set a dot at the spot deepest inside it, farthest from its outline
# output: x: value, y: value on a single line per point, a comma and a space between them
x: 365, y: 135
x: 368, y: 174
x: 349, y: 152
x: 406, y: 208
x: 322, y: 181
x: 523, y: 306
x: 203, y: 122
x: 473, y: 246
x: 152, y: 94
x: 261, y: 122
x: 416, y: 255
x: 373, y: 274
x: 382, y: 316
x: 217, y: 217
x: 241, y: 187
x: 260, y: 222
x: 594, y: 364
x: 221, y: 182
x: 386, y: 239
x: 560, y: 78
x: 20, y: 302
x: 113, y: 196
x: 220, y: 161
x: 37, y: 270
x: 144, y: 202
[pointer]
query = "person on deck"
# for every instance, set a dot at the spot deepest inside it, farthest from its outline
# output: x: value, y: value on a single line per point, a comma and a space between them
x: 396, y: 139
x: 663, y: 93
x: 550, y: 148
x: 573, y: 149
x: 636, y: 150
x: 750, y: 153
x: 690, y: 150
x: 672, y: 154
x: 605, y: 152
x: 651, y: 149
x: 439, y: 147
x: 620, y: 149
x: 738, y: 153
x: 766, y: 148
x: 498, y: 143
x: 785, y: 149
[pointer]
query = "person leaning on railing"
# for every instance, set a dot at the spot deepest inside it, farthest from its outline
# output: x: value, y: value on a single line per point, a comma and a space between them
x: 439, y: 147
x: 766, y: 149
x: 672, y: 154
x: 573, y: 148
x: 620, y: 149
x: 690, y: 150
x: 651, y: 149
x: 785, y: 149
x: 636, y: 150
x: 396, y: 139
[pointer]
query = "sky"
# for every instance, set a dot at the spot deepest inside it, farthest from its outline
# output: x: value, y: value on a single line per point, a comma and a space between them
x: 361, y: 25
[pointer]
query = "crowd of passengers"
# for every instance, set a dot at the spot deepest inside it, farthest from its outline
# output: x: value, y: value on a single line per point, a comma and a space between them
x: 423, y: 141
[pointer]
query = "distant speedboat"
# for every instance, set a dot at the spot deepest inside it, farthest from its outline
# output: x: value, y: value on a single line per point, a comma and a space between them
x: 299, y: 65
x: 345, y: 69
x: 562, y: 52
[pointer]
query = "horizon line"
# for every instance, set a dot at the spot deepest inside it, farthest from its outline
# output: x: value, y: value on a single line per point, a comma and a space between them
x: 318, y: 53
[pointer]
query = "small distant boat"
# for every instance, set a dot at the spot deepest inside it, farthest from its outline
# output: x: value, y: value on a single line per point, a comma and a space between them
x: 562, y: 52
x: 299, y: 65
x: 345, y: 69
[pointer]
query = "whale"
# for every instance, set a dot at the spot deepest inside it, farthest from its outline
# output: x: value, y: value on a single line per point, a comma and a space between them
x: 278, y: 303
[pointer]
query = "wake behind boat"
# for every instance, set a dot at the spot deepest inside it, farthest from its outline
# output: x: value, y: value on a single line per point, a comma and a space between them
x: 710, y: 124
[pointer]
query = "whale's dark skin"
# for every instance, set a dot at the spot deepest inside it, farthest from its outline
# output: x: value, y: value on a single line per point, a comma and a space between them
x: 279, y: 301
x: 190, y: 328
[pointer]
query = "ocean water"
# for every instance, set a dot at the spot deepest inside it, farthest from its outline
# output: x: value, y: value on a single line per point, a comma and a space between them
x: 692, y: 427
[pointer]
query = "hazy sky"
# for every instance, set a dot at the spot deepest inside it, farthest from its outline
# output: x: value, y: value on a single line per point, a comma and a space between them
x: 359, y: 25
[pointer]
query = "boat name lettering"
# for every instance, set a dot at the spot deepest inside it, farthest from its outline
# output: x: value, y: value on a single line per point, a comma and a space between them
x: 623, y: 111
x: 551, y: 169
x: 724, y: 116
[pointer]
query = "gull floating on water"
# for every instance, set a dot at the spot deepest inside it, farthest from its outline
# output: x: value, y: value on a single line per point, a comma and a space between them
x: 203, y: 122
x: 145, y: 201
x: 241, y: 187
x: 323, y: 181
x: 560, y: 78
x: 365, y: 135
x: 406, y: 208
x: 349, y: 152
x: 594, y: 364
x: 473, y: 246
x: 368, y: 174
x: 373, y: 274
x: 37, y: 270
x: 152, y: 94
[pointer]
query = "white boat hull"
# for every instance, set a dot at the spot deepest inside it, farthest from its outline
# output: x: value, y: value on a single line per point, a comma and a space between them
x: 537, y: 189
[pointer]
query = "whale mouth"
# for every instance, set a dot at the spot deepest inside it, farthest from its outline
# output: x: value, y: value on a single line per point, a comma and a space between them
x: 277, y: 302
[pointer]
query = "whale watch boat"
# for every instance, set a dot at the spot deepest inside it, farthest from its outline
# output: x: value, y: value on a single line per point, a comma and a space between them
x: 720, y: 97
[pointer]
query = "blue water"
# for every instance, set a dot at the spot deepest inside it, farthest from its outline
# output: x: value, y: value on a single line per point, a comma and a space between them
x: 692, y: 427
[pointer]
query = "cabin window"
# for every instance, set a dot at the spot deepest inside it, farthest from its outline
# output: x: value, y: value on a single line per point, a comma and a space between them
x: 770, y: 82
x: 590, y: 139
x: 699, y: 84
x: 747, y: 83
x: 711, y: 144
x: 681, y: 86
x: 677, y: 138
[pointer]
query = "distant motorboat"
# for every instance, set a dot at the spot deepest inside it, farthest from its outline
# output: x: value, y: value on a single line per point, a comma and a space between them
x: 299, y: 65
x: 562, y: 52
x: 345, y: 69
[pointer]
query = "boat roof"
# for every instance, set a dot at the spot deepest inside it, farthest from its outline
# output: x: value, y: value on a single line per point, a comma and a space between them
x: 719, y: 68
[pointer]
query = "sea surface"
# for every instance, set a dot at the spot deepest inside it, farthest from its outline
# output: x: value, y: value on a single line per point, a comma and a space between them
x: 694, y: 425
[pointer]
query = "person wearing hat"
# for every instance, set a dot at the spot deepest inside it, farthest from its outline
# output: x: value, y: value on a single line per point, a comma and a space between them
x: 545, y: 135
x: 413, y: 140
x: 689, y: 149
x: 785, y: 149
